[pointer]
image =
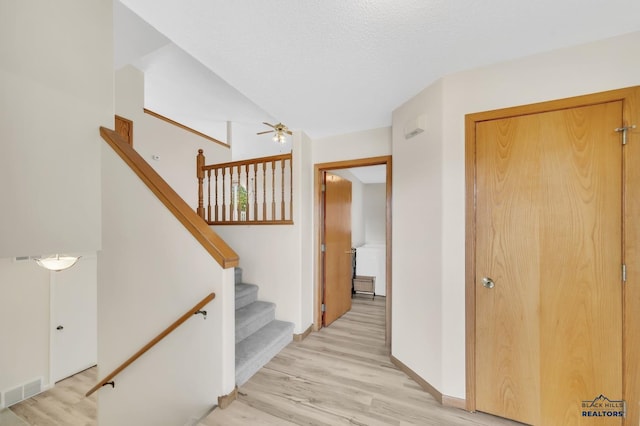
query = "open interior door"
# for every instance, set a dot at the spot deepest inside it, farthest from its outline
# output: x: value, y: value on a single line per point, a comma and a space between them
x: 337, y: 265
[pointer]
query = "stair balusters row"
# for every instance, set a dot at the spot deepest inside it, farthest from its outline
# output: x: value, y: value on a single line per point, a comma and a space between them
x: 256, y: 191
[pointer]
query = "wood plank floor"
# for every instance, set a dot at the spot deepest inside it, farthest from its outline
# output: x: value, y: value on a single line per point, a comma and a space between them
x: 64, y: 405
x: 340, y: 375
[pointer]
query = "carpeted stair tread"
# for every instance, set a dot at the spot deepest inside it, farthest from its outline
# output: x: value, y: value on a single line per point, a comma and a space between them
x: 259, y: 336
x: 256, y: 350
x: 252, y: 317
x: 245, y: 294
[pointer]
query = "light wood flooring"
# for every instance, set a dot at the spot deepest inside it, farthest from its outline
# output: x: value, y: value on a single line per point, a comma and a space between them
x: 340, y: 375
x: 64, y: 405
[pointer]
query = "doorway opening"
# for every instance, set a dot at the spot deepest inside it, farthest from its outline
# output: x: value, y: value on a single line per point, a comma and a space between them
x: 351, y: 166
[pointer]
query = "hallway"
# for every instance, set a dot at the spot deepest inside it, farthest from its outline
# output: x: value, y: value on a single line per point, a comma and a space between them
x: 340, y: 375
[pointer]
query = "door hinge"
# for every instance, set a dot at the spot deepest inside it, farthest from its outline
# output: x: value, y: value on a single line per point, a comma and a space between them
x: 624, y: 131
x: 323, y: 308
x: 322, y: 248
x: 324, y: 187
x: 624, y: 273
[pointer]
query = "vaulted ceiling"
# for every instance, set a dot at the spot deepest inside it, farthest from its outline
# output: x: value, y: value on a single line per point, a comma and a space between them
x: 337, y: 66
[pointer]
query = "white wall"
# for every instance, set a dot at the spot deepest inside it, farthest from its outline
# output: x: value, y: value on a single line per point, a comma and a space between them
x: 24, y: 313
x: 245, y: 143
x: 176, y: 148
x: 433, y: 163
x: 278, y: 257
x: 417, y: 240
x: 56, y: 89
x: 351, y: 146
x: 151, y: 271
x: 374, y: 213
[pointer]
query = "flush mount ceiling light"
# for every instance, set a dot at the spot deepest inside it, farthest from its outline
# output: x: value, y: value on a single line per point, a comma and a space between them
x: 57, y: 262
x: 280, y: 132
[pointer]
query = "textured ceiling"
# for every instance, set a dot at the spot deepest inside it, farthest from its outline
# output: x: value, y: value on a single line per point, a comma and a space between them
x: 336, y: 66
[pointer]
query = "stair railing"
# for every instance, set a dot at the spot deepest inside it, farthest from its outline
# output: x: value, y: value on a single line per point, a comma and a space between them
x: 211, y: 242
x: 197, y: 309
x: 258, y: 191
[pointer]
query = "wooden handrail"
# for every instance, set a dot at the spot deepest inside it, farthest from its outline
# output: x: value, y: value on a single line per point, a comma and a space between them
x: 183, y: 127
x: 153, y: 342
x: 260, y: 160
x: 215, y: 246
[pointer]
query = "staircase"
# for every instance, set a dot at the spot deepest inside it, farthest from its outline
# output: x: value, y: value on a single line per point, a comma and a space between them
x: 259, y: 336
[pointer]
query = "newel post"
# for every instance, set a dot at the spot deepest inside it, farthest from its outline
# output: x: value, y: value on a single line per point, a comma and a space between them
x: 200, y: 174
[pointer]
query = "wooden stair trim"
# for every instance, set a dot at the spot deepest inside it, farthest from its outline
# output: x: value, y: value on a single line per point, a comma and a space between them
x: 212, y: 242
x: 300, y: 337
x: 183, y: 127
x: 225, y: 400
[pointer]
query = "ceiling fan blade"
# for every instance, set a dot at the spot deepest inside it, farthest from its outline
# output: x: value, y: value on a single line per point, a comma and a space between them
x: 267, y: 131
x: 289, y: 132
x: 270, y: 125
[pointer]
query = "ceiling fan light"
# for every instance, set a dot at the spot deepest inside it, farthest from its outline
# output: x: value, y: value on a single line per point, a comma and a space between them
x: 280, y: 132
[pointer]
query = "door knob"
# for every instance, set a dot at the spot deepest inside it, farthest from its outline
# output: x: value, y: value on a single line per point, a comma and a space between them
x: 488, y: 282
x: 59, y: 327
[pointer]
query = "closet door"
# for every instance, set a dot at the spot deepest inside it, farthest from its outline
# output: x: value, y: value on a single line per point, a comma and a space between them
x: 548, y: 264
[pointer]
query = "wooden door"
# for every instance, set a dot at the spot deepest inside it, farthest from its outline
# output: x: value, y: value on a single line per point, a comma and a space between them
x: 337, y: 244
x: 548, y: 236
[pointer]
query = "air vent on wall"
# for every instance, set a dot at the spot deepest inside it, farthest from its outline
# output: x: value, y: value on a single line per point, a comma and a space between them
x: 20, y: 393
x: 23, y: 258
x: 12, y: 396
x: 33, y: 388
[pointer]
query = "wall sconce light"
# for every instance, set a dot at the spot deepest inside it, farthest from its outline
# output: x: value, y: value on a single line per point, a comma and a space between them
x: 57, y: 262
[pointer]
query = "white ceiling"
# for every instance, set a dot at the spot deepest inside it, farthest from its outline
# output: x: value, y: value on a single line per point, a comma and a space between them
x: 334, y: 66
x: 176, y: 84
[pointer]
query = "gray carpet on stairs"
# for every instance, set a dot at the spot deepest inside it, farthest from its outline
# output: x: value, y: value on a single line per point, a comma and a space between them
x: 257, y: 350
x: 259, y: 336
x: 253, y: 317
x: 245, y: 294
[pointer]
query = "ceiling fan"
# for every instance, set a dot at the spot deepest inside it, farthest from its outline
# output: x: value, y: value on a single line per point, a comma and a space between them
x: 280, y: 131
